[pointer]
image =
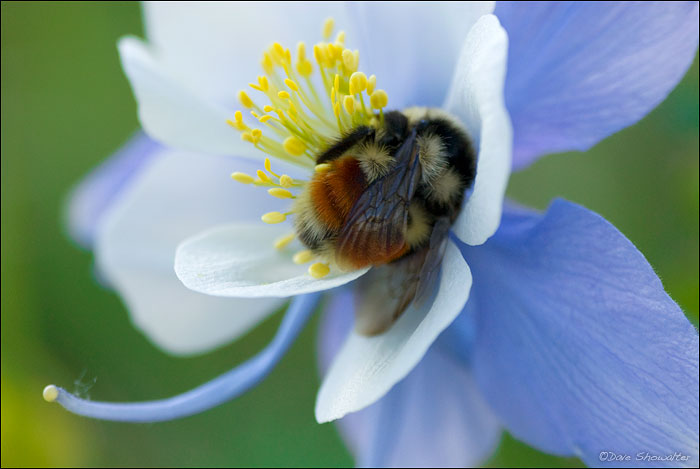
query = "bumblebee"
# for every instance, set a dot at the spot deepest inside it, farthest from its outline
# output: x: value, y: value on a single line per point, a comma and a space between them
x: 385, y: 196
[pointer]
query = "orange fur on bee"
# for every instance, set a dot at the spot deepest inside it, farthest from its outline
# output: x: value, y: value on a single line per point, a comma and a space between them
x: 334, y: 192
x: 360, y: 257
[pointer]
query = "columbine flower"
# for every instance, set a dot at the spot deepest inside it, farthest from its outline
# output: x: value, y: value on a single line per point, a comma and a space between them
x: 565, y: 336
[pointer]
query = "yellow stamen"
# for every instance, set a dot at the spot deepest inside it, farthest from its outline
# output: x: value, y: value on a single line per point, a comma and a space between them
x: 350, y: 60
x: 302, y: 257
x: 291, y: 84
x: 297, y: 117
x: 273, y: 218
x: 268, y: 167
x: 305, y: 68
x: 349, y: 104
x: 322, y: 168
x: 379, y: 99
x: 358, y: 83
x: 283, y: 242
x: 262, y: 176
x: 301, y: 51
x: 243, y: 178
x: 294, y: 146
x: 235, y: 125
x: 286, y: 181
x: 328, y: 28
x: 319, y: 270
x: 280, y: 193
x: 371, y: 84
x: 245, y: 99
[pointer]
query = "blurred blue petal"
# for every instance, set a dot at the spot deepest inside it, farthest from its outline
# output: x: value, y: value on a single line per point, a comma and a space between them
x: 96, y: 193
x: 435, y: 417
x: 579, y: 71
x: 578, y: 349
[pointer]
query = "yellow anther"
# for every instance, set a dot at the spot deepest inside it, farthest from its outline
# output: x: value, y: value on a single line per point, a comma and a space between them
x: 263, y: 82
x: 272, y: 218
x: 371, y: 84
x: 322, y: 168
x: 294, y: 146
x: 301, y: 51
x: 256, y: 133
x: 336, y: 109
x: 349, y: 60
x: 268, y: 167
x: 280, y: 193
x: 305, y: 68
x: 278, y: 49
x: 255, y: 86
x: 319, y: 54
x: 238, y: 115
x: 268, y: 108
x: 280, y: 114
x: 349, y: 104
x: 247, y: 137
x: 328, y: 28
x: 283, y: 242
x: 264, y: 119
x: 287, y: 57
x: 262, y: 176
x: 319, y: 270
x: 333, y: 96
x: 340, y: 38
x: 334, y: 51
x: 267, y: 63
x: 243, y: 178
x: 236, y: 125
x: 302, y: 257
x: 291, y: 84
x: 286, y: 181
x: 50, y: 393
x: 358, y: 83
x: 245, y: 99
x: 283, y: 94
x: 254, y: 114
x: 379, y: 99
x: 336, y: 83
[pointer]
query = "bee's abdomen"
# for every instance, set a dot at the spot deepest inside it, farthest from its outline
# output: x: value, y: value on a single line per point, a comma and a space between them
x: 334, y: 192
x: 322, y: 209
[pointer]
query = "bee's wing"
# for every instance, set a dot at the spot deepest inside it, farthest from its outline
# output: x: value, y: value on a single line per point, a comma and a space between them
x: 385, y: 292
x: 376, y: 225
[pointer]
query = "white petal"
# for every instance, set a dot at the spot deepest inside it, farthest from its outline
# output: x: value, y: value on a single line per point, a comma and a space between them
x: 173, y: 113
x: 367, y: 367
x: 177, y: 195
x: 240, y: 261
x: 216, y: 47
x: 414, y: 63
x: 476, y: 97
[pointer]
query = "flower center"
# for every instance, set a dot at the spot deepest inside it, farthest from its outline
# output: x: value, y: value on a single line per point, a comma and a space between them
x: 381, y: 181
x: 304, y: 112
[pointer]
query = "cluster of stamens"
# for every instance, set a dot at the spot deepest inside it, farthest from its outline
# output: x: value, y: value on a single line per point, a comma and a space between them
x: 300, y: 121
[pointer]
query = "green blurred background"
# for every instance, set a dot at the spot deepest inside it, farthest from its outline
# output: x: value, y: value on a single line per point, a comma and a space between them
x: 66, y: 105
